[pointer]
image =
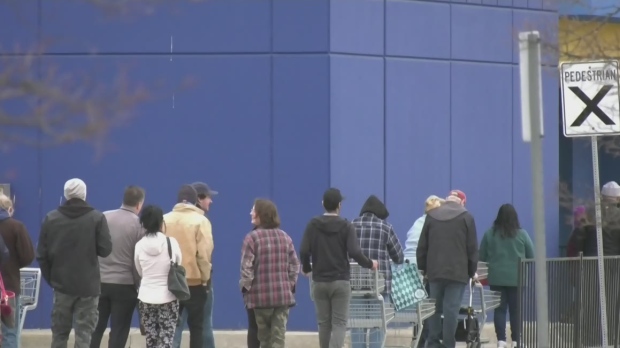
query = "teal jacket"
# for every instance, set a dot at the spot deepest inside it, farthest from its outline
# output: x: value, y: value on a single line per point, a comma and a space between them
x: 503, y: 254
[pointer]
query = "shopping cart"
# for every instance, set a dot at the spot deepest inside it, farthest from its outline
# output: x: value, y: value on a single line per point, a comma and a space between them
x: 368, y: 311
x: 405, y: 329
x: 369, y: 314
x: 29, y: 298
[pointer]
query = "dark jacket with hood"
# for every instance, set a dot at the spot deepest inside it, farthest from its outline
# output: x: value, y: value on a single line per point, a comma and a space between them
x: 16, y: 251
x: 377, y: 238
x: 448, y: 246
x: 71, y: 240
x: 584, y: 237
x: 329, y: 241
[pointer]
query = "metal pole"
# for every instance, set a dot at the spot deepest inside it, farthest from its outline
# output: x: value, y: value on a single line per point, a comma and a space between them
x: 535, y: 102
x: 599, y: 240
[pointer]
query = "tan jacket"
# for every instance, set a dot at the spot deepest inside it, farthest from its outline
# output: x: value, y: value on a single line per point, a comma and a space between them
x: 187, y: 224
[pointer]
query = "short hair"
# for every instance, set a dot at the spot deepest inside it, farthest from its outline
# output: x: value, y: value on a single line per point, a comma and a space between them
x: 267, y: 213
x: 5, y: 202
x: 133, y: 196
x: 432, y: 202
x: 152, y: 219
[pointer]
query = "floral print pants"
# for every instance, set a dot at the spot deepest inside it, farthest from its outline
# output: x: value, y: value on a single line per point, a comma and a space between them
x: 159, y: 321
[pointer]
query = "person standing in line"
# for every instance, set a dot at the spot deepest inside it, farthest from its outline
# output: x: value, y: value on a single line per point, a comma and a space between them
x: 252, y: 335
x: 20, y: 253
x: 188, y: 225
x: 159, y: 308
x: 411, y: 245
x: 119, y: 279
x: 72, y: 239
x: 269, y: 270
x: 378, y: 241
x: 502, y: 247
x: 448, y: 255
x: 205, y: 198
x: 328, y: 242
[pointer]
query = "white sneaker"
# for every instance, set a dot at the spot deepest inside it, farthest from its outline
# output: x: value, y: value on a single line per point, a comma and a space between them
x: 501, y: 344
x: 514, y: 344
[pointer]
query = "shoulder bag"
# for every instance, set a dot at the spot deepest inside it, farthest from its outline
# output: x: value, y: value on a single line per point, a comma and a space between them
x: 177, y: 283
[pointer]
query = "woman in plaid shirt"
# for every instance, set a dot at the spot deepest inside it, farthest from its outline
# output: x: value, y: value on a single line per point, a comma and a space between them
x: 269, y: 269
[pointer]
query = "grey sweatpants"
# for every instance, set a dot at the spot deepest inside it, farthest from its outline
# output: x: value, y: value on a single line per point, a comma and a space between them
x: 331, y: 302
x: 79, y: 313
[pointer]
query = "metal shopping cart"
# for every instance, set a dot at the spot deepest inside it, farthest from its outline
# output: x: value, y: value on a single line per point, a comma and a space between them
x: 29, y: 298
x: 405, y: 329
x: 369, y: 314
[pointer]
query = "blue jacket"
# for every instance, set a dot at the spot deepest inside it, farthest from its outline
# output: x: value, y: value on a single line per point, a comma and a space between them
x: 413, y: 236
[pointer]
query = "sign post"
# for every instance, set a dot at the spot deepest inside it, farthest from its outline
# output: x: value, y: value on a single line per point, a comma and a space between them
x: 591, y: 107
x: 532, y: 131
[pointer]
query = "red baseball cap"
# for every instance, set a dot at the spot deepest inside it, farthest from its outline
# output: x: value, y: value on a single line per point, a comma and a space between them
x: 460, y: 194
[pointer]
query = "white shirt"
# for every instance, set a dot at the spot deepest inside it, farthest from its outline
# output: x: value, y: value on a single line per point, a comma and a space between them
x: 153, y: 264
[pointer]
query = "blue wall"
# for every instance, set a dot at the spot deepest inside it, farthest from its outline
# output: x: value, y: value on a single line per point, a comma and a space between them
x: 401, y: 99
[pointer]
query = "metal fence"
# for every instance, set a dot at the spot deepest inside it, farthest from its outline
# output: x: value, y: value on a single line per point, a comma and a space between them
x: 574, y: 309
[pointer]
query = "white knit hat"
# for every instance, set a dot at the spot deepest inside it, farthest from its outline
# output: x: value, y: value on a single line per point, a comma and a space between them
x: 75, y: 188
x: 611, y: 189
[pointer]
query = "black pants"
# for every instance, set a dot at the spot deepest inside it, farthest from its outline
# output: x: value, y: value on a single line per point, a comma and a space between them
x: 253, y: 341
x: 509, y: 303
x: 117, y: 303
x: 195, y: 314
x: 424, y: 333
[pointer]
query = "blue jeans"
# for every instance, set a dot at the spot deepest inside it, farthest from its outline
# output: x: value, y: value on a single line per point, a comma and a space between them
x: 10, y: 336
x: 509, y: 303
x: 375, y: 335
x: 207, y: 330
x: 448, y: 296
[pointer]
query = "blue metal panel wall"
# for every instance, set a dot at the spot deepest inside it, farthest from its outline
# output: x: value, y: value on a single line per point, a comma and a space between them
x: 451, y: 116
x: 400, y: 99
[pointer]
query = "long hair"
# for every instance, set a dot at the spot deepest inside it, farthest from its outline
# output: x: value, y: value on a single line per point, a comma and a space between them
x: 507, y: 222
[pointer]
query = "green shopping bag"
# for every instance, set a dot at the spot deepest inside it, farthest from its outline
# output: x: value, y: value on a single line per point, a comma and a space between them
x: 407, y: 286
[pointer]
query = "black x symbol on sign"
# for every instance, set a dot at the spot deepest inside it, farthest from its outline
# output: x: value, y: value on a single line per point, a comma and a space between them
x: 592, y: 106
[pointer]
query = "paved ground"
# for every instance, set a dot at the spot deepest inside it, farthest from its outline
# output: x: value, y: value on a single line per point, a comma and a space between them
x: 224, y: 339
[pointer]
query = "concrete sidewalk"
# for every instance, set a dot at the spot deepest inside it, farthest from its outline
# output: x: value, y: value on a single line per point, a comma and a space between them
x: 223, y: 339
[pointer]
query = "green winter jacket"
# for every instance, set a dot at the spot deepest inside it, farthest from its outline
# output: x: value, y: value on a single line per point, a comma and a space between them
x: 503, y: 254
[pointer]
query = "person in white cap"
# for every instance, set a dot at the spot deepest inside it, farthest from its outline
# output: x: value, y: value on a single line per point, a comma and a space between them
x: 72, y: 238
x: 610, y: 192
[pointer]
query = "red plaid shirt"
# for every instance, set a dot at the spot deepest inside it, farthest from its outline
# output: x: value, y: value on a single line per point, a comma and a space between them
x: 269, y: 269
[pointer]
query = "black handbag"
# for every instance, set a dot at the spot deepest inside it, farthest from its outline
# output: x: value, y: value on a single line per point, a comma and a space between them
x: 177, y: 283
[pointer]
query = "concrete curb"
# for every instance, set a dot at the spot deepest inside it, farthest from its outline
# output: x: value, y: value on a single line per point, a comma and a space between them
x: 223, y: 339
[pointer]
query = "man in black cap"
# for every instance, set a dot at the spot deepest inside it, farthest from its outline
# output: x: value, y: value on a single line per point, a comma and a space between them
x: 205, y: 195
x: 329, y: 241
x: 188, y: 225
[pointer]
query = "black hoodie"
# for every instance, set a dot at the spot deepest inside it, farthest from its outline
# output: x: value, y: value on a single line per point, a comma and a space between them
x: 329, y: 241
x: 72, y: 237
x: 448, y: 246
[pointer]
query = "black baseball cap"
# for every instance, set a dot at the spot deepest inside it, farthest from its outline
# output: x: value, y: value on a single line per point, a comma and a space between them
x: 203, y: 189
x: 331, y: 198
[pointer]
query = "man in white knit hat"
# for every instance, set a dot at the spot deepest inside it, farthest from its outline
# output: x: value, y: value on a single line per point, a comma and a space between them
x: 72, y: 238
x: 610, y: 192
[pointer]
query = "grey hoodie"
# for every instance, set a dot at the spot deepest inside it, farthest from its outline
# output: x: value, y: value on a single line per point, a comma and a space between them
x: 448, y: 246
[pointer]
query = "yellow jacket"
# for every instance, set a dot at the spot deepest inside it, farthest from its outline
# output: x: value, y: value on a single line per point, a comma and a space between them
x: 188, y: 225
